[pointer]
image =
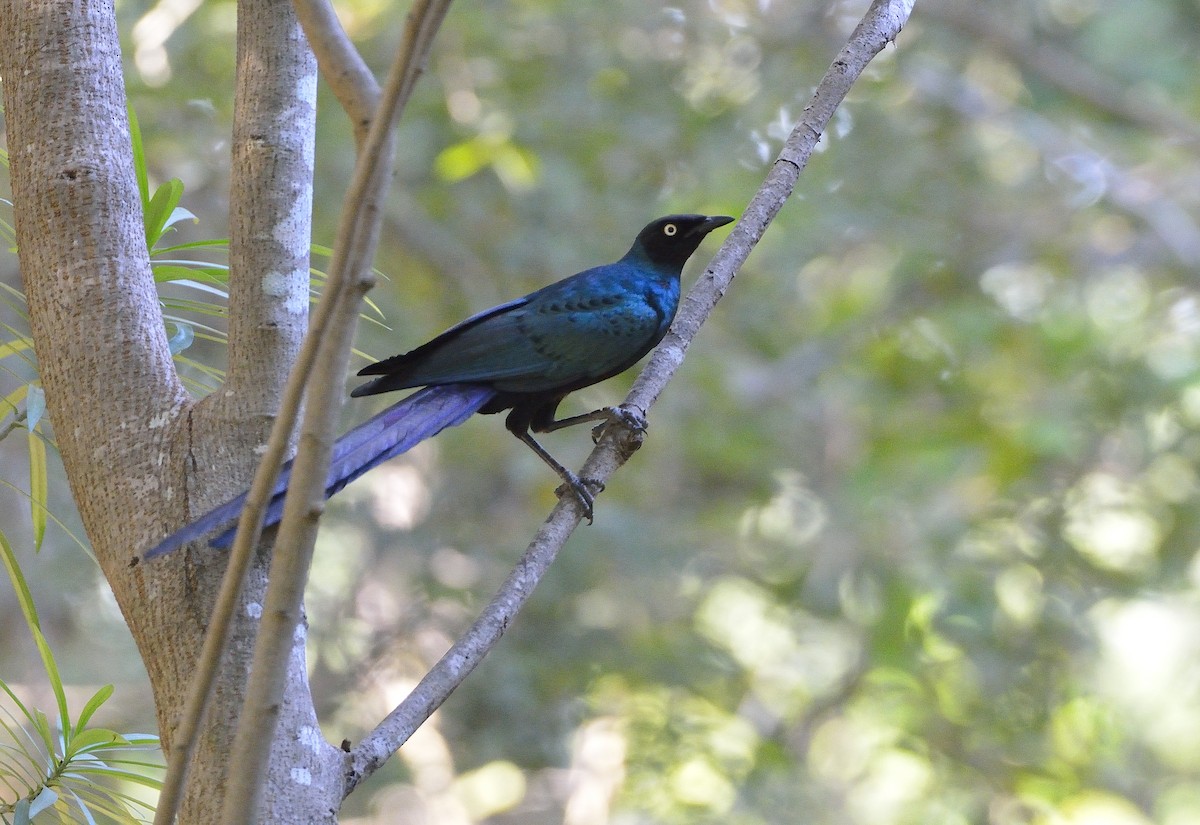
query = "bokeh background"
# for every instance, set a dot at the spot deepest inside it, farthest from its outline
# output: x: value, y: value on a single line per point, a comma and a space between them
x: 914, y: 535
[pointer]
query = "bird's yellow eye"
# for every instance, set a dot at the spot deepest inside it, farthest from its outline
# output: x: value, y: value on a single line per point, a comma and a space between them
x: 670, y: 229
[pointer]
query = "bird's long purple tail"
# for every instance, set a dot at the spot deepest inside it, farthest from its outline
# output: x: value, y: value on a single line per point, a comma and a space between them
x: 396, y: 430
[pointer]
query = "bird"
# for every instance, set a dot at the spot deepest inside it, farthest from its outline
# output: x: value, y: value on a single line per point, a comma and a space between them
x: 524, y: 356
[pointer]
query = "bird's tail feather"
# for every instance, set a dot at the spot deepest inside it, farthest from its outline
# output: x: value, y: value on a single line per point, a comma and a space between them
x: 392, y: 432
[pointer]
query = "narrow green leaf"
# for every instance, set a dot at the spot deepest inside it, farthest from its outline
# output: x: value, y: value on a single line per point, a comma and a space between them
x: 56, y: 683
x: 198, y: 307
x: 139, y: 157
x: 41, y: 723
x: 97, y: 799
x: 203, y: 331
x: 15, y: 347
x: 210, y: 243
x: 85, y: 741
x: 172, y: 269
x: 9, y: 235
x: 20, y: 586
x: 17, y: 295
x: 13, y: 400
x: 83, y: 545
x: 162, y: 205
x: 84, y: 807
x: 39, y: 488
x: 19, y: 732
x: 98, y: 698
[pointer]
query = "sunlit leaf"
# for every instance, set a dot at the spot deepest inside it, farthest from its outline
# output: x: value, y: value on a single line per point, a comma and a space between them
x: 93, y: 738
x: 98, y: 698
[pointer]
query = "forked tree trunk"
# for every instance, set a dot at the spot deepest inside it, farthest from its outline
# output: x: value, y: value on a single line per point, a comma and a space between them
x: 140, y: 456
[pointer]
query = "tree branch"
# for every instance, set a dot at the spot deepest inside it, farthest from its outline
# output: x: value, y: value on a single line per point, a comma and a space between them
x: 270, y: 235
x: 880, y: 26
x: 349, y: 279
x: 340, y: 63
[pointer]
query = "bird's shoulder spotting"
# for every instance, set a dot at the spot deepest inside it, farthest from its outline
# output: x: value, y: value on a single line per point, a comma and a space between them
x: 608, y: 289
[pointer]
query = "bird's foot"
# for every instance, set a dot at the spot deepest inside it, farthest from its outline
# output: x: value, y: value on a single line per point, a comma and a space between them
x: 631, y: 419
x: 582, y: 489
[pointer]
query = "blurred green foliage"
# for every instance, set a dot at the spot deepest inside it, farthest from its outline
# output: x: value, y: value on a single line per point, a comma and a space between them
x: 914, y: 535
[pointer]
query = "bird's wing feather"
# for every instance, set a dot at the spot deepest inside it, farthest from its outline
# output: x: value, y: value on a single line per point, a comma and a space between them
x: 587, y: 340
x: 388, y: 364
x: 580, y: 329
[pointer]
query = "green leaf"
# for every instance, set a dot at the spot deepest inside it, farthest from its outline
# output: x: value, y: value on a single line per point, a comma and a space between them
x: 20, y: 586
x: 13, y: 400
x: 92, y: 739
x: 199, y: 307
x: 160, y: 209
x: 29, y: 716
x: 15, y: 347
x: 41, y: 723
x: 98, y: 698
x: 39, y: 488
x: 139, y: 157
x: 83, y: 545
x: 212, y: 242
x: 56, y: 683
x: 181, y: 269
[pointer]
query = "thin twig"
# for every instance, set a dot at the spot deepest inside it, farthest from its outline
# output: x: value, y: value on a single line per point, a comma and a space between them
x: 340, y: 64
x: 880, y: 26
x: 350, y: 269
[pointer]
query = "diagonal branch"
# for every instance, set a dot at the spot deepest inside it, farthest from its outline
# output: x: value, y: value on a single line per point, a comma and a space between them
x: 349, y: 278
x: 880, y: 26
x: 340, y: 64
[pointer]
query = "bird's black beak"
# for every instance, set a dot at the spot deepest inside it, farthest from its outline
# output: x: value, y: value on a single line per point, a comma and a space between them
x: 709, y: 224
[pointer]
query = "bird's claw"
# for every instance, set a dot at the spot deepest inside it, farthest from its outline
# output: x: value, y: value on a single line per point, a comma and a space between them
x: 581, y: 489
x: 631, y: 419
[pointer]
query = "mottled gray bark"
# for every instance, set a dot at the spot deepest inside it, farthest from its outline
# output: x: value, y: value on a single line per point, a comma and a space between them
x: 140, y: 456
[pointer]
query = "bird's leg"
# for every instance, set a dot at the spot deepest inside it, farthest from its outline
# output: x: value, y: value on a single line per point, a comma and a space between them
x: 586, y: 497
x: 605, y: 415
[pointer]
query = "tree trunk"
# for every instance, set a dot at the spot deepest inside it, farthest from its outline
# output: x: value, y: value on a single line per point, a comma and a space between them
x: 140, y: 456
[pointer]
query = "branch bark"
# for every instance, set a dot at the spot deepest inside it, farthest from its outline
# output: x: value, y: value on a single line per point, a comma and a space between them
x: 349, y: 279
x: 270, y: 235
x: 341, y: 65
x: 879, y: 27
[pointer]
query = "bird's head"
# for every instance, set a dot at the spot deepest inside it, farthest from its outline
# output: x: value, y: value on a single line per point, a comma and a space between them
x: 670, y: 241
